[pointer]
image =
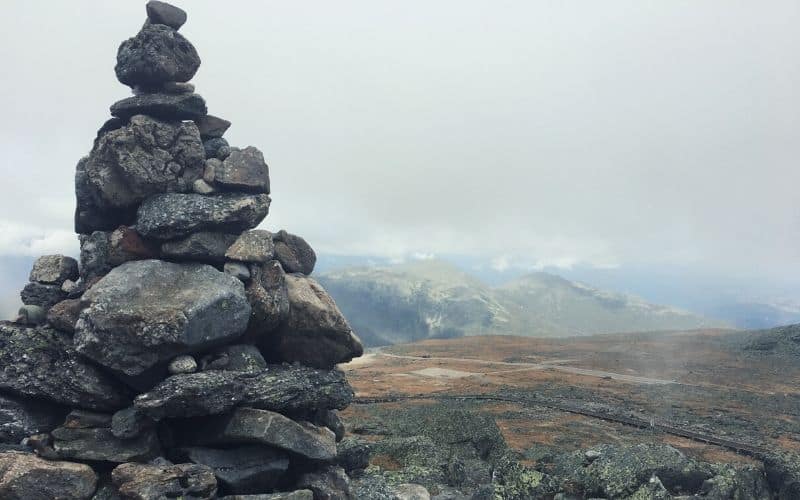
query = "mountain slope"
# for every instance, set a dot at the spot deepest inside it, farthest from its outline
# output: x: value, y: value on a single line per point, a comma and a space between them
x: 432, y: 298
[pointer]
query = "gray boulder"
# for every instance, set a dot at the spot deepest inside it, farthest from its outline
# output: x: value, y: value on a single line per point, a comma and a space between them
x: 315, y: 332
x: 243, y: 170
x: 172, y: 215
x: 151, y: 481
x: 211, y: 126
x: 269, y: 300
x: 41, y: 363
x: 281, y: 388
x: 164, y: 13
x: 20, y: 418
x: 157, y: 54
x: 252, y: 246
x: 241, y: 470
x: 44, y: 296
x: 146, y: 312
x: 54, y: 269
x: 294, y: 253
x: 203, y: 246
x: 161, y: 105
x: 146, y: 157
x: 328, y: 483
x: 88, y: 436
x: 248, y: 425
x: 28, y: 477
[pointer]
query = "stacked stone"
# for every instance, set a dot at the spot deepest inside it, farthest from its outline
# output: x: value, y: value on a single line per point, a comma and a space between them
x: 189, y: 355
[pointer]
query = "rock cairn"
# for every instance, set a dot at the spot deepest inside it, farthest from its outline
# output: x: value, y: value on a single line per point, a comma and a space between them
x: 189, y: 355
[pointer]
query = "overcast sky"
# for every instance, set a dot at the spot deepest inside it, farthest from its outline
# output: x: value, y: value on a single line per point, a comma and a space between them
x: 528, y: 133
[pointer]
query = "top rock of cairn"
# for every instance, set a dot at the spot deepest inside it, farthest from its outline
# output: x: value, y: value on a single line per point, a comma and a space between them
x: 179, y: 308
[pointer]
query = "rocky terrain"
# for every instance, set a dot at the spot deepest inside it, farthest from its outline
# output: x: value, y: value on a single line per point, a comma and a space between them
x: 187, y: 354
x: 433, y: 299
x: 698, y: 414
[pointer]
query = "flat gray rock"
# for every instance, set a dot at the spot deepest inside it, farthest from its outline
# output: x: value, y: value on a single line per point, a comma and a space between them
x: 212, y: 126
x: 157, y: 54
x: 285, y: 388
x: 203, y: 246
x: 152, y: 481
x: 287, y: 495
x: 241, y: 470
x: 88, y: 436
x: 146, y: 157
x: 20, y: 418
x: 164, y: 13
x: 146, y: 312
x: 173, y: 215
x: 41, y: 363
x: 247, y: 425
x: 54, y: 269
x: 173, y: 107
x: 243, y: 170
x: 28, y: 477
x: 252, y: 246
x: 315, y: 332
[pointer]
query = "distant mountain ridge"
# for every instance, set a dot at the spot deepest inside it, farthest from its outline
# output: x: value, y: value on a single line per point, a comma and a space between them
x: 432, y: 298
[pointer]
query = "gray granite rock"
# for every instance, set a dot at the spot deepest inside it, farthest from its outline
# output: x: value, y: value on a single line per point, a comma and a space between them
x: 182, y: 364
x: 242, y: 470
x: 63, y: 315
x: 164, y: 13
x: 157, y: 481
x: 88, y: 436
x: 200, y: 186
x: 95, y: 255
x: 252, y: 246
x: 54, y: 269
x: 328, y: 483
x: 315, y: 333
x: 157, y: 54
x: 243, y: 170
x: 171, y: 107
x: 91, y: 213
x: 202, y: 246
x: 129, y: 423
x: 294, y: 253
x: 31, y: 315
x: 212, y: 126
x: 28, y: 477
x: 269, y: 301
x: 237, y: 358
x: 146, y: 157
x: 287, y: 495
x: 23, y: 417
x: 146, y: 312
x: 41, y: 363
x: 44, y: 296
x: 172, y: 215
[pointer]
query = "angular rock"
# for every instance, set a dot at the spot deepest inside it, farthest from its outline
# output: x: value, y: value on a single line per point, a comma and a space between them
x: 54, y: 269
x: 202, y: 187
x: 125, y: 244
x: 88, y: 436
x: 64, y: 315
x: 269, y: 300
x: 41, y: 362
x: 216, y: 148
x: 44, y: 296
x: 211, y: 166
x: 247, y: 425
x: 241, y: 470
x: 31, y: 315
x: 20, y: 418
x: 211, y: 126
x: 244, y: 170
x: 148, y: 311
x: 95, y: 255
x: 157, y: 54
x: 315, y: 333
x: 171, y: 107
x: 146, y: 157
x: 129, y: 423
x: 237, y: 358
x: 327, y: 483
x: 164, y: 13
x: 288, y: 495
x: 238, y: 270
x: 203, y: 246
x: 168, y: 216
x: 90, y: 212
x: 278, y: 388
x: 352, y: 454
x: 27, y: 477
x: 252, y: 246
x: 182, y: 364
x: 331, y: 420
x: 294, y: 253
x: 150, y: 481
